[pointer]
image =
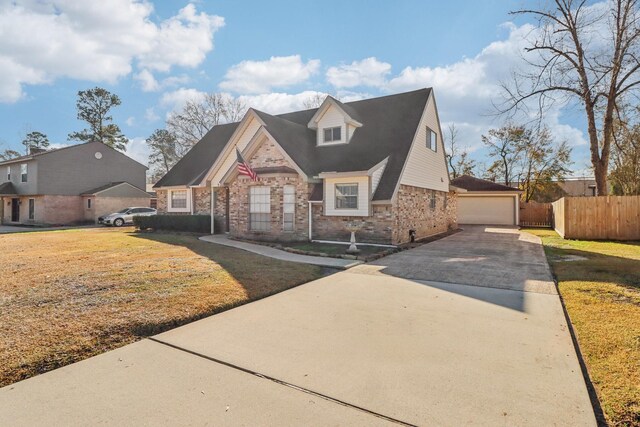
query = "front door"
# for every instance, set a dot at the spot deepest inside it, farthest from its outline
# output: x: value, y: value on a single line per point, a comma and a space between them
x: 15, y: 210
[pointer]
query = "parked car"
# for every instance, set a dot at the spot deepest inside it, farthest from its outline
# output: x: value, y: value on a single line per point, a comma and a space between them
x: 125, y: 216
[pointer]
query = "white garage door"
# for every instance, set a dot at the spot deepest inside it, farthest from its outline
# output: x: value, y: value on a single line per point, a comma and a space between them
x: 495, y: 210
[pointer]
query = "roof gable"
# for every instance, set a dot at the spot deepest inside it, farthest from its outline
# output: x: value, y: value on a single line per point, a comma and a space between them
x: 349, y: 114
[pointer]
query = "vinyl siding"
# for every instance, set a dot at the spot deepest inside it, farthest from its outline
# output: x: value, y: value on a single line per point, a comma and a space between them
x: 376, y: 175
x: 426, y: 168
x: 250, y: 130
x: 363, y: 196
x: 29, y: 187
x: 331, y: 118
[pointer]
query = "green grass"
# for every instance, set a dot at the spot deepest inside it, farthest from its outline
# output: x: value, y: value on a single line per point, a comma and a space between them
x: 602, y: 296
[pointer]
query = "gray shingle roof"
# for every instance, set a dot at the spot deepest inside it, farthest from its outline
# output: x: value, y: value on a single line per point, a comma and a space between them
x: 7, y: 188
x: 389, y: 125
x: 471, y: 183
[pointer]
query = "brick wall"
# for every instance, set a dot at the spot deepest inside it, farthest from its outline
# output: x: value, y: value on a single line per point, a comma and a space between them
x: 412, y: 211
x: 62, y: 209
x: 376, y: 228
x: 162, y: 201
x: 239, y: 208
x: 202, y: 201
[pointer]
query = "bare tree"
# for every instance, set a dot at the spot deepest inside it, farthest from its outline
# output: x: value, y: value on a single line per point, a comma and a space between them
x: 457, y: 158
x: 625, y: 154
x: 314, y: 101
x: 163, y: 152
x: 197, y: 117
x: 505, y: 145
x: 582, y: 53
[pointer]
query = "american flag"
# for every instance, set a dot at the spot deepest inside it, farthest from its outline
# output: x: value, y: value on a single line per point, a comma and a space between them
x: 244, y: 168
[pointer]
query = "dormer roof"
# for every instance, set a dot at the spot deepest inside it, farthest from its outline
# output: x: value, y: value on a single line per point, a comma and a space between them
x: 350, y: 114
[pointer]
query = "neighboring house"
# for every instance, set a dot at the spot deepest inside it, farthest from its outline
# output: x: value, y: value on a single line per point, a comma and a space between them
x: 378, y: 164
x: 69, y: 185
x: 486, y: 202
x: 578, y: 186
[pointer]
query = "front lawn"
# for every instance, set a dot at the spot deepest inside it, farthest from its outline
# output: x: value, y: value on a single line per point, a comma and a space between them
x: 68, y: 295
x: 600, y: 285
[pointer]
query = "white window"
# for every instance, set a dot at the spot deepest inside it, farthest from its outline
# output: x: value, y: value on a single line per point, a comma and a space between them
x: 23, y: 172
x: 178, y: 199
x: 346, y: 196
x: 332, y: 134
x: 259, y: 208
x: 432, y: 140
x: 8, y: 173
x: 288, y: 207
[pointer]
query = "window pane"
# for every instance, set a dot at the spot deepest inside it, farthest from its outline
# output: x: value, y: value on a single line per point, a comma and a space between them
x: 336, y: 134
x: 434, y: 140
x: 288, y: 207
x: 179, y: 199
x: 327, y: 135
x: 346, y: 196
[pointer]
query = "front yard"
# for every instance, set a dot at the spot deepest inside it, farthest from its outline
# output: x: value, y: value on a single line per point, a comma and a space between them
x: 68, y: 295
x: 600, y: 285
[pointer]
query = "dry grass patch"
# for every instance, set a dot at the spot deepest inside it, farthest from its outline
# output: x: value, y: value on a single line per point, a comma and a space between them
x: 602, y: 295
x: 68, y: 295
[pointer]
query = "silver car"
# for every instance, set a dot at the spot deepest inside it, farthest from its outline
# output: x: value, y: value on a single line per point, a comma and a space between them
x: 125, y: 216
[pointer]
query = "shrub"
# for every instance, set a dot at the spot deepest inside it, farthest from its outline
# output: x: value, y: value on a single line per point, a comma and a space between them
x: 192, y: 223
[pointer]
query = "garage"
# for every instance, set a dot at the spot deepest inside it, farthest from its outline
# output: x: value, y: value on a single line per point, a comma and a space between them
x: 486, y: 202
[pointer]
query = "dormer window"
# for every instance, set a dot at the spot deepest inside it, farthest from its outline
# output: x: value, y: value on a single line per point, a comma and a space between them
x: 333, y: 134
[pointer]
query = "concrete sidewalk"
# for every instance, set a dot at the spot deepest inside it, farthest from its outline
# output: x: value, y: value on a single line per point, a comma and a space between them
x: 282, y: 255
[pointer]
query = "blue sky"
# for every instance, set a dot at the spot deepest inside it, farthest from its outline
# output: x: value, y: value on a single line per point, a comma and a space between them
x: 156, y: 55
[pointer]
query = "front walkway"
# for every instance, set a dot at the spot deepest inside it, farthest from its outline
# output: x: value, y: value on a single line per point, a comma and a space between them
x: 360, y: 347
x: 282, y: 255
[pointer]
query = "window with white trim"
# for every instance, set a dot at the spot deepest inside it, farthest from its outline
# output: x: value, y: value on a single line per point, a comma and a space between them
x: 288, y: 207
x: 259, y: 208
x: 23, y: 172
x: 432, y: 139
x: 346, y: 196
x: 8, y: 173
x: 178, y: 199
x: 333, y: 134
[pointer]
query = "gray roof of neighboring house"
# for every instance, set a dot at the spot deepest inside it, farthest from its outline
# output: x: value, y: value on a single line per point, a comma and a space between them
x: 471, y: 183
x: 389, y: 125
x: 94, y: 191
x: 7, y: 188
x: 54, y: 150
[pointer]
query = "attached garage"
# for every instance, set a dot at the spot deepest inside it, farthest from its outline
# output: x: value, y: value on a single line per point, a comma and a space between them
x: 486, y: 202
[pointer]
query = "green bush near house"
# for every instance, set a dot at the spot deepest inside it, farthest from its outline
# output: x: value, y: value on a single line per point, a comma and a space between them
x: 191, y: 223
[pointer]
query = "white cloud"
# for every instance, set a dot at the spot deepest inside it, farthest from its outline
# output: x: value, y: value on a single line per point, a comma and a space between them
x: 255, y: 77
x: 148, y: 83
x: 278, y: 103
x: 138, y: 150
x: 130, y: 121
x: 176, y: 99
x: 96, y: 41
x: 150, y: 114
x: 367, y: 72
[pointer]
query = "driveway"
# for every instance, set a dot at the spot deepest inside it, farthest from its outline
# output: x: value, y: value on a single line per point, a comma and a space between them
x: 465, y: 330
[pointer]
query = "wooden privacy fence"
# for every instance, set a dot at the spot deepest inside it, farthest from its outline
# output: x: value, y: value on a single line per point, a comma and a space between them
x: 598, y: 218
x: 533, y: 214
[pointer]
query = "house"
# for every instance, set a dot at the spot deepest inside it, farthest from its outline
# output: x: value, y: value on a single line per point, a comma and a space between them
x: 486, y: 202
x: 376, y: 164
x: 69, y: 185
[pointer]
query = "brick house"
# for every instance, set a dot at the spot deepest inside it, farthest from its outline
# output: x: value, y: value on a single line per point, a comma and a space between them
x: 69, y: 185
x: 378, y: 164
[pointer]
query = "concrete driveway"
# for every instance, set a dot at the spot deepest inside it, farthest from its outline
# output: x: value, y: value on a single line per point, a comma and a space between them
x: 376, y: 344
